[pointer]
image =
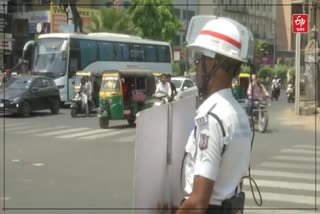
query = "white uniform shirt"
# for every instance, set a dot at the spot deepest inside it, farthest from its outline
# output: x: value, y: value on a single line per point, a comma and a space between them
x: 164, y: 88
x: 204, y: 153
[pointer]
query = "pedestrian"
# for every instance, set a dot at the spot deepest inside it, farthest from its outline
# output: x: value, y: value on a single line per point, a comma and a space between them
x: 217, y: 153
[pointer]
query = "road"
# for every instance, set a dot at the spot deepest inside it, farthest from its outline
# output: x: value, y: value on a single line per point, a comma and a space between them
x: 55, y: 161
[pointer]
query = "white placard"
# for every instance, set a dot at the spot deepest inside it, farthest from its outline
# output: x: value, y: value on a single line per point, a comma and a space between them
x: 150, y: 160
x: 183, y: 113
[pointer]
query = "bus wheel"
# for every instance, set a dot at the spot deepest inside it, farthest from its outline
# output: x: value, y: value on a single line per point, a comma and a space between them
x: 131, y: 121
x: 103, y: 122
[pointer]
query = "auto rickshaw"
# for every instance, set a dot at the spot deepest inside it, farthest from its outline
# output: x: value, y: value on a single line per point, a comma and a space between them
x: 95, y: 79
x: 240, y: 85
x: 123, y: 94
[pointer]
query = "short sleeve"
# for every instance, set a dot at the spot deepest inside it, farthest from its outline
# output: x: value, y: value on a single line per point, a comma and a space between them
x: 210, y: 145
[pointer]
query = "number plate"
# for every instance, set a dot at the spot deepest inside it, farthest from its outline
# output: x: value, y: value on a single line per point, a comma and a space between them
x: 1, y: 105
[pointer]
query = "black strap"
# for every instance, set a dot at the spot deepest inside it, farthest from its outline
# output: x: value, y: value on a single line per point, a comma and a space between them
x: 222, y: 129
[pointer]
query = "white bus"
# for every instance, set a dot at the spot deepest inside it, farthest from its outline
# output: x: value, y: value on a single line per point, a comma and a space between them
x: 61, y: 55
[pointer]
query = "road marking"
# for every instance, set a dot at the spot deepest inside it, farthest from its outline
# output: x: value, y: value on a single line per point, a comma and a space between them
x: 271, y: 173
x: 5, y: 126
x: 299, y: 151
x: 42, y: 130
x: 288, y: 165
x: 85, y: 133
x: 62, y: 132
x: 296, y: 158
x: 304, y: 146
x: 283, y: 184
x: 278, y: 197
x: 17, y: 128
x: 103, y: 135
x: 127, y: 138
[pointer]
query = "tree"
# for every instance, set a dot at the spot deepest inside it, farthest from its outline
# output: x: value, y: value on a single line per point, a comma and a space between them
x: 260, y: 49
x: 112, y: 20
x: 155, y: 18
x: 265, y: 71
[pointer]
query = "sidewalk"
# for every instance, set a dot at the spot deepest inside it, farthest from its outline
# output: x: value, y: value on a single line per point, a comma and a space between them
x: 289, y: 117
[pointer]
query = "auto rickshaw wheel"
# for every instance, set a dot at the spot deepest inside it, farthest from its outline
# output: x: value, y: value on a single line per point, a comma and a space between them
x: 73, y: 112
x: 131, y: 121
x: 103, y: 122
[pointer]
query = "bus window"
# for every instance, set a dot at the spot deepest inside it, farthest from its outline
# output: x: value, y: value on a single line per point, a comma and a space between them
x: 88, y: 52
x: 163, y: 54
x: 122, y: 52
x: 106, y: 51
x: 136, y: 53
x: 150, y: 53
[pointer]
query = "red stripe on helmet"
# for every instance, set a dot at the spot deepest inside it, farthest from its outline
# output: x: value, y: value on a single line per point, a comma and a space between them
x: 221, y: 36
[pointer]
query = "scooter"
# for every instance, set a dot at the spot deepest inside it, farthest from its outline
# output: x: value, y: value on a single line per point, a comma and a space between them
x: 290, y: 93
x: 275, y: 92
x: 77, y: 106
x: 161, y: 98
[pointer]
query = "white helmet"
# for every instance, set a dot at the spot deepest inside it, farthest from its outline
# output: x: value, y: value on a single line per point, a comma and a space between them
x: 208, y: 35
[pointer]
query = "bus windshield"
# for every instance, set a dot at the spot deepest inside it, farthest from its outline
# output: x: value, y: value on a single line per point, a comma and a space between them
x: 110, y: 84
x: 49, y: 59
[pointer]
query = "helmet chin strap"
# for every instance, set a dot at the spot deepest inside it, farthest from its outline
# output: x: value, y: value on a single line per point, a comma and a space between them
x: 203, y: 89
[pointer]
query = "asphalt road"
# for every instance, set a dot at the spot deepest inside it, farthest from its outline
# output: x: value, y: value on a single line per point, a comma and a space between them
x: 55, y: 161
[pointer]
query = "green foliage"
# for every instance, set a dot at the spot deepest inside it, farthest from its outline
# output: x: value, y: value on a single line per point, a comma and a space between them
x: 177, y: 71
x: 281, y: 71
x: 245, y: 69
x: 260, y: 49
x: 112, y: 20
x: 291, y: 72
x: 265, y: 71
x: 155, y: 18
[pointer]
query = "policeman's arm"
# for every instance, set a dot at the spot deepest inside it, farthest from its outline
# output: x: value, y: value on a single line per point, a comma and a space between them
x: 209, y: 150
x: 199, y: 200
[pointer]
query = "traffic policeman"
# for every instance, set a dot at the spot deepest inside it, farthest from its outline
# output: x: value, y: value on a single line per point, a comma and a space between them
x: 217, y: 153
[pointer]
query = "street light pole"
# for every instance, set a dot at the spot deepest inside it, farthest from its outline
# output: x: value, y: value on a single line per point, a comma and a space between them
x: 187, y: 24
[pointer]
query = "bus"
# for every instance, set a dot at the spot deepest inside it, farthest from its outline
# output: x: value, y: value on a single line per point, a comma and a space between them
x: 61, y: 55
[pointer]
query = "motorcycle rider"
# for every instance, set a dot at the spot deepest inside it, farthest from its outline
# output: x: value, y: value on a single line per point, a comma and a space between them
x: 259, y: 92
x: 275, y: 87
x: 164, y: 86
x: 218, y: 149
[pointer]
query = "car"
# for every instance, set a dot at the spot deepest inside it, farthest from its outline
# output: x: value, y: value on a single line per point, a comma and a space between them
x: 27, y: 93
x: 185, y: 87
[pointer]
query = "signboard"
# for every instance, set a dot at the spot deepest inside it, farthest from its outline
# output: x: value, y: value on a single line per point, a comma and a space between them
x: 176, y: 55
x: 35, y: 17
x: 5, y: 23
x: 300, y: 23
x: 3, y: 6
x: 59, y: 17
x: 6, y: 45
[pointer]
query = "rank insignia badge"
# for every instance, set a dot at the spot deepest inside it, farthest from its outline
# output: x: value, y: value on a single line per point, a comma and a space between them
x: 203, y: 141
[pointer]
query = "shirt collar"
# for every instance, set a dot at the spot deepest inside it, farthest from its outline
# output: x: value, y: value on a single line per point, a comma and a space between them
x: 211, y: 101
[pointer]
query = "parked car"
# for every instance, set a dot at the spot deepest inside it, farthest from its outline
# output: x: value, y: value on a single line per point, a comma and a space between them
x: 185, y: 87
x: 27, y: 93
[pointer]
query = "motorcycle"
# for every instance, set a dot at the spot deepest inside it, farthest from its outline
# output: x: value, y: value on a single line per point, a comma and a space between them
x: 77, y: 105
x: 260, y: 115
x: 290, y: 93
x: 275, y: 92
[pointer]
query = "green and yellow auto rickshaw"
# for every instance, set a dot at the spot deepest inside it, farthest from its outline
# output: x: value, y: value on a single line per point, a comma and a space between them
x: 123, y: 94
x: 240, y: 85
